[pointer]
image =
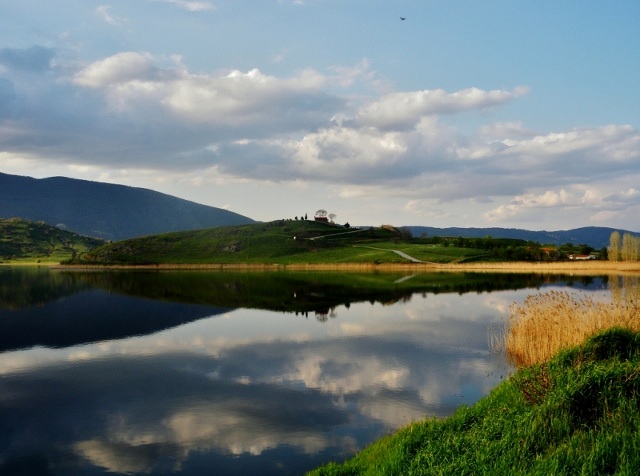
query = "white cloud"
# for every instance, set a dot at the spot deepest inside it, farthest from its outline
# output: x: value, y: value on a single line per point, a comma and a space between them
x: 263, y: 127
x: 138, y: 111
x: 116, y: 70
x: 340, y: 153
x: 239, y: 97
x: 547, y: 199
x: 618, y: 143
x: 131, y: 79
x: 405, y: 109
x: 595, y: 202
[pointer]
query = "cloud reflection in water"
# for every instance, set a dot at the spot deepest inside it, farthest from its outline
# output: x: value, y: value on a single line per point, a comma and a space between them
x: 240, y: 388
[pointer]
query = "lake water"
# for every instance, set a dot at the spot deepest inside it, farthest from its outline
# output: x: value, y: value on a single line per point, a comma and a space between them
x: 201, y: 373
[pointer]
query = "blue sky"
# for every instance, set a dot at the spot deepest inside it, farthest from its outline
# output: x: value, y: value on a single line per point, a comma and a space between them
x: 468, y: 113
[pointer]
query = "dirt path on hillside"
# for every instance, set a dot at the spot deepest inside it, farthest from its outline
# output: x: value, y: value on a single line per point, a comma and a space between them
x: 398, y: 252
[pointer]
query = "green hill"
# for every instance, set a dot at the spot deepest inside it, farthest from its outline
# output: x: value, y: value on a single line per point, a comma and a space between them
x: 23, y: 240
x: 305, y: 242
x: 282, y: 242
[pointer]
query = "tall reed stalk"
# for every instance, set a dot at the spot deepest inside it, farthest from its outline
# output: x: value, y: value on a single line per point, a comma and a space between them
x: 548, y: 322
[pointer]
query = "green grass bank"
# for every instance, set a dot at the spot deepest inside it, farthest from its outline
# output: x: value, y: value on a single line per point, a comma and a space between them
x: 577, y: 414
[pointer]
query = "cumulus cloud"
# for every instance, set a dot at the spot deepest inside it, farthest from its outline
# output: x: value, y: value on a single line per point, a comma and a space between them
x: 232, y: 99
x: 547, y: 199
x: 620, y: 143
x: 239, y: 97
x: 260, y: 126
x: 306, y: 126
x: 601, y: 199
x: 403, y: 109
x: 117, y: 70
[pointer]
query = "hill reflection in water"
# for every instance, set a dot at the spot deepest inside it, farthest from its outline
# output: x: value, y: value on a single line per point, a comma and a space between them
x: 238, y: 384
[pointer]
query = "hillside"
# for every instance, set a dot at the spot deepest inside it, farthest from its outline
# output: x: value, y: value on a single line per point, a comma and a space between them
x: 287, y: 242
x: 107, y: 211
x: 282, y: 241
x: 26, y: 240
x: 594, y: 236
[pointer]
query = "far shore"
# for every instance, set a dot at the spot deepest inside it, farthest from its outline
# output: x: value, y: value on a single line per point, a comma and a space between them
x: 564, y: 267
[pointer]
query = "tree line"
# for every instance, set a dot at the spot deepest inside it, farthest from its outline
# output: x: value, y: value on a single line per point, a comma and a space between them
x: 514, y: 249
x: 623, y: 248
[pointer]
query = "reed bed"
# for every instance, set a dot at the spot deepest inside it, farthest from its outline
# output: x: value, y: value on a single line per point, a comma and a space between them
x: 549, y: 322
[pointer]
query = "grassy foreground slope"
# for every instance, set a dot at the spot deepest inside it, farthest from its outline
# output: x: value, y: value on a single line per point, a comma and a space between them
x: 24, y: 240
x: 578, y: 414
x: 277, y: 242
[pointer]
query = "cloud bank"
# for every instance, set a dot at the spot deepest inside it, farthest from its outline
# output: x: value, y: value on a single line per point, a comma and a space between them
x: 138, y: 110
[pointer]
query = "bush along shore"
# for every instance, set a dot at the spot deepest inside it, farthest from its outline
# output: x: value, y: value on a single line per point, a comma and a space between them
x: 578, y: 413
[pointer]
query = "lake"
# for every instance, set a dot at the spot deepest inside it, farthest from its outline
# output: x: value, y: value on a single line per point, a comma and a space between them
x: 199, y: 373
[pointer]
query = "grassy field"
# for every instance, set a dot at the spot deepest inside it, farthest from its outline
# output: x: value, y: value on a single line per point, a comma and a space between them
x: 577, y: 414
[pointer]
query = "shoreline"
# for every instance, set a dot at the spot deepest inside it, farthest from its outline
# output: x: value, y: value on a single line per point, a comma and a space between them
x: 567, y: 267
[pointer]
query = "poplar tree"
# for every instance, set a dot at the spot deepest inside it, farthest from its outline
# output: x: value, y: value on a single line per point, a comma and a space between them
x: 629, y: 250
x: 614, y: 247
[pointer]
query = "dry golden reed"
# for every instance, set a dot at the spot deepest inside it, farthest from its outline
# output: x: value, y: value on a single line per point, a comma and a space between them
x: 548, y: 322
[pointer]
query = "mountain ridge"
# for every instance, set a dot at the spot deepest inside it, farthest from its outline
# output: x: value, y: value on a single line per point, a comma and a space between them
x: 104, y: 210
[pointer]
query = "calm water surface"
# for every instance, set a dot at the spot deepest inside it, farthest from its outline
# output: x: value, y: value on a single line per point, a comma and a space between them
x: 214, y: 373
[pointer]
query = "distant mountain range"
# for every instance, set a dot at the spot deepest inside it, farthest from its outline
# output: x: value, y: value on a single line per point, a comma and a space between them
x: 594, y: 236
x: 107, y: 211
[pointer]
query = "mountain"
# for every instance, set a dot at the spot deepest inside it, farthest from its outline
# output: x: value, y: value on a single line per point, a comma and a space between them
x: 107, y: 211
x: 594, y: 236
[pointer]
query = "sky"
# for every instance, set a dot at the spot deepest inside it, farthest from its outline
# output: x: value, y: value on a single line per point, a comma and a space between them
x: 504, y: 113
